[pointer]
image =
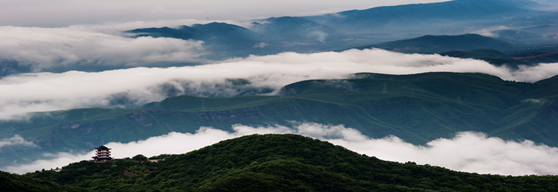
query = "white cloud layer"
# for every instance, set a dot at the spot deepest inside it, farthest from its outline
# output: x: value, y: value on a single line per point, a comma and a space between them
x: 42, y: 48
x: 35, y: 92
x: 57, y: 13
x: 467, y: 151
x: 15, y: 140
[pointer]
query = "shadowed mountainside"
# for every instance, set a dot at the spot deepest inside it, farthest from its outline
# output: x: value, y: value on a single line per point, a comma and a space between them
x: 444, y: 43
x: 359, y: 28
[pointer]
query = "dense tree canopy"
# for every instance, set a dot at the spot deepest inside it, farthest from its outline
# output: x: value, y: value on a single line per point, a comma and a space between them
x: 13, y: 183
x: 281, y: 163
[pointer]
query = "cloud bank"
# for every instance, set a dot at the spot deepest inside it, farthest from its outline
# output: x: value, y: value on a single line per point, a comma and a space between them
x: 467, y: 151
x: 15, y: 140
x: 38, y: 92
x: 42, y: 48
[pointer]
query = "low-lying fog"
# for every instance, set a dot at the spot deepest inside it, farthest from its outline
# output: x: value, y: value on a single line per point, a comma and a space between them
x: 466, y: 151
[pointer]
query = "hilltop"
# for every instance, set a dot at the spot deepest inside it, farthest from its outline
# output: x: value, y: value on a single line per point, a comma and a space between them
x: 280, y: 163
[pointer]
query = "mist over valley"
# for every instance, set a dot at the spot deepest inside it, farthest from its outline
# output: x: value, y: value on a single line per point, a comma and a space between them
x: 467, y: 85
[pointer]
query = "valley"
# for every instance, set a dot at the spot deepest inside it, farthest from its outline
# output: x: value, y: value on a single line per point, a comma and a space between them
x: 417, y: 108
x: 458, y: 95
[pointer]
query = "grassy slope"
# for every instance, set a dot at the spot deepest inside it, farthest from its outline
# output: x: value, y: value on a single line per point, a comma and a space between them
x: 417, y: 108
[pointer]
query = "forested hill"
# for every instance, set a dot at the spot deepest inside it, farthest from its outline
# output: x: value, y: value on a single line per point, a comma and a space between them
x: 15, y: 183
x: 280, y: 163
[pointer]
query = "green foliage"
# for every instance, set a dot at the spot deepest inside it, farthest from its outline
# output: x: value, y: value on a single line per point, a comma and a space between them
x: 281, y: 163
x: 15, y: 183
x: 139, y: 157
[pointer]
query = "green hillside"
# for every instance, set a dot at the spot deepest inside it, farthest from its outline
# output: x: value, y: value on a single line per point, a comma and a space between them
x: 17, y: 183
x: 280, y: 163
x: 416, y: 108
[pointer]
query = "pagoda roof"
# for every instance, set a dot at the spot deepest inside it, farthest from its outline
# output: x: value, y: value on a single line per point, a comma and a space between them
x: 102, y: 147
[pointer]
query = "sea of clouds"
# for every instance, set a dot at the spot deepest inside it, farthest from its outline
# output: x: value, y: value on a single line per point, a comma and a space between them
x: 44, y: 91
x: 466, y: 151
x: 91, y: 45
x: 86, y: 46
x: 47, y: 48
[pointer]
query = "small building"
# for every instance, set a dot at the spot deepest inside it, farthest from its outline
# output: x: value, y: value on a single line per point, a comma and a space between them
x: 161, y: 158
x: 155, y: 160
x: 56, y: 170
x: 102, y: 154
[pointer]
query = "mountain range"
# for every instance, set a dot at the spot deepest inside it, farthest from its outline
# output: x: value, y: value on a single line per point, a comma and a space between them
x: 416, y: 108
x: 512, y: 27
x: 357, y: 28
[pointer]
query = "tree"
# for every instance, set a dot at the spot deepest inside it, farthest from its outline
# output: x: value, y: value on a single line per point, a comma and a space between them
x: 139, y: 157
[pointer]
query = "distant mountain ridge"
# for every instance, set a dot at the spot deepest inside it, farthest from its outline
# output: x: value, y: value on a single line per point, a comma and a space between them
x: 420, y: 13
x: 358, y: 28
x: 510, y: 21
x: 444, y: 43
x: 221, y: 33
x: 219, y: 37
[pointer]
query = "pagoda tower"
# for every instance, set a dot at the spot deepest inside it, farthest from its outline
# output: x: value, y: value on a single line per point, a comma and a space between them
x: 103, y: 154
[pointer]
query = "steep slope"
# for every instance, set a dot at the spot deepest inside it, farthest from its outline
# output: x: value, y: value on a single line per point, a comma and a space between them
x: 280, y: 163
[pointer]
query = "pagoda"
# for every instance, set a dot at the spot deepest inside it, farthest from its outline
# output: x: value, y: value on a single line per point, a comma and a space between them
x: 103, y: 154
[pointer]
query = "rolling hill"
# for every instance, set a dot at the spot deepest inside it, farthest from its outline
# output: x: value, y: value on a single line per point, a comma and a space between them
x: 444, y: 43
x: 417, y: 108
x: 279, y: 163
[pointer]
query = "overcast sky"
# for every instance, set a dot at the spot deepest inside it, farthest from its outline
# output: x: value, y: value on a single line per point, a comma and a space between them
x: 59, y: 13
